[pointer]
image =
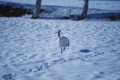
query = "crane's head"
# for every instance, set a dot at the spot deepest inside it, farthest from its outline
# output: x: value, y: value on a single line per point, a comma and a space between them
x: 59, y: 33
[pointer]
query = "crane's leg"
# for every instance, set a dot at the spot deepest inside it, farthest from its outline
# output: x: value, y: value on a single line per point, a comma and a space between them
x: 61, y: 50
x: 64, y: 49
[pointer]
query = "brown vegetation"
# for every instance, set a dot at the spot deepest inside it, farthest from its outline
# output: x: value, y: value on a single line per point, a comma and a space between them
x: 116, y: 17
x: 9, y: 11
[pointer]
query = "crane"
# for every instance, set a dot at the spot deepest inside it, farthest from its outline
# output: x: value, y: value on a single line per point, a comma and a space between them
x: 63, y: 42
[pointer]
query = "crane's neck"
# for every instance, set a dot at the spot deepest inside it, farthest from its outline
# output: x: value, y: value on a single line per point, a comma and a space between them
x: 59, y: 33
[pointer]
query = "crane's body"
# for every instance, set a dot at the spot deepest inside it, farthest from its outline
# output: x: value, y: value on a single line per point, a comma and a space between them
x: 63, y: 42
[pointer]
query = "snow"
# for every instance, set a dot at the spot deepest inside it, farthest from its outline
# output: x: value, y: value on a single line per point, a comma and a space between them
x: 26, y: 46
x: 29, y: 49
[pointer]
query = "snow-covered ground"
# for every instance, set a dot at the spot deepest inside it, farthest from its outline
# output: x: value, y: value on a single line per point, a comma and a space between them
x: 29, y: 48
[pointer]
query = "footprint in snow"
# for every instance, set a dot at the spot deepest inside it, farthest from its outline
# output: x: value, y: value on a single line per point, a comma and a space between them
x: 99, y: 75
x: 9, y: 76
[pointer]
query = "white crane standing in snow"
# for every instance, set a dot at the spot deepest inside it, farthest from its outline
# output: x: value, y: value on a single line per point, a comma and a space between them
x: 63, y: 42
